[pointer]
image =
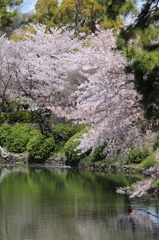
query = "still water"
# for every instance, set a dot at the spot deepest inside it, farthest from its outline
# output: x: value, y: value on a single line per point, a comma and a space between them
x: 61, y: 204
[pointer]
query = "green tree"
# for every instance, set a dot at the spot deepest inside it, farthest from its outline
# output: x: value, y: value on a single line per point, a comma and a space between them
x: 83, y: 15
x: 8, y: 13
x: 118, y: 7
x: 140, y: 44
x: 46, y: 12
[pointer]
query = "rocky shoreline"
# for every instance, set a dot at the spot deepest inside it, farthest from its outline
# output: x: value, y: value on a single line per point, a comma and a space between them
x: 145, y: 188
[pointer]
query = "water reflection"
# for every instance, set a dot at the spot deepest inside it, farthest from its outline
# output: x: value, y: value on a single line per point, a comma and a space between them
x: 59, y: 204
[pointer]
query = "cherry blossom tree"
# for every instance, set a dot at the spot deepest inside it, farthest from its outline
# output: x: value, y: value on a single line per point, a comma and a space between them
x: 44, y: 63
x: 81, y: 80
x: 107, y: 99
x: 7, y: 69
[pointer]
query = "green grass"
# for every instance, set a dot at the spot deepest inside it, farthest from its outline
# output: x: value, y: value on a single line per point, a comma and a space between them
x: 148, y: 162
x: 156, y: 183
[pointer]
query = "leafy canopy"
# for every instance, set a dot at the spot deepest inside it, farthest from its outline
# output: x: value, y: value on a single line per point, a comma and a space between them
x: 46, y: 12
x: 139, y: 42
x: 82, y: 15
x: 8, y: 14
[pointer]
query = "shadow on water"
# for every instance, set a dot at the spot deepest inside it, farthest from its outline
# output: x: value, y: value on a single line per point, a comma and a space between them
x: 61, y: 204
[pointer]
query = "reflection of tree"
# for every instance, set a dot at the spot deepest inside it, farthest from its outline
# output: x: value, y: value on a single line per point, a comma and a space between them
x: 61, y: 204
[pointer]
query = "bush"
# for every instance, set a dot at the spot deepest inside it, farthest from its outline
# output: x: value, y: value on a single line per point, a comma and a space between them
x: 98, y: 154
x: 18, y: 138
x: 73, y: 157
x: 22, y: 137
x: 156, y: 143
x: 156, y: 183
x: 2, y: 117
x: 67, y: 128
x: 40, y: 148
x: 148, y: 162
x: 21, y: 116
x: 136, y: 155
x: 5, y: 130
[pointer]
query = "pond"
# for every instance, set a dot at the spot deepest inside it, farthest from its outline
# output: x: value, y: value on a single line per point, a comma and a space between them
x: 38, y: 203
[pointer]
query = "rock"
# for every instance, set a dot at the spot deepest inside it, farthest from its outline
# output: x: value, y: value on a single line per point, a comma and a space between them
x: 10, y: 158
x: 123, y: 190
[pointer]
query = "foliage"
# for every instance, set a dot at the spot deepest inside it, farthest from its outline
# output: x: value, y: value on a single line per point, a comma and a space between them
x: 136, y: 155
x: 98, y: 154
x: 148, y: 162
x: 156, y: 143
x: 21, y: 137
x: 40, y: 148
x: 84, y: 15
x: 22, y: 34
x: 156, y: 183
x: 3, y: 117
x: 81, y: 15
x: 8, y: 15
x: 5, y: 131
x: 17, y: 140
x: 19, y: 117
x: 116, y: 7
x: 139, y: 42
x: 73, y: 155
x: 68, y: 129
x: 46, y: 12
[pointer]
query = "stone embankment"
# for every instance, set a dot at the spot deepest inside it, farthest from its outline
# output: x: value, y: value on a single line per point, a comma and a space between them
x: 8, y: 158
x: 11, y: 158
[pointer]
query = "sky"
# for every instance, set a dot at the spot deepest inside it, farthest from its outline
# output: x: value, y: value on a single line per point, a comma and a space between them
x: 28, y: 5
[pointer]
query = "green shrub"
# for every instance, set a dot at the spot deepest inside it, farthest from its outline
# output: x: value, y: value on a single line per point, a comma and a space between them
x: 156, y: 143
x: 40, y: 148
x: 18, y: 138
x: 34, y: 132
x: 5, y: 131
x: 3, y: 117
x: 26, y: 116
x: 136, y: 155
x: 73, y: 157
x: 13, y: 117
x: 148, y: 162
x: 67, y: 128
x: 156, y: 183
x: 21, y: 116
x: 98, y: 154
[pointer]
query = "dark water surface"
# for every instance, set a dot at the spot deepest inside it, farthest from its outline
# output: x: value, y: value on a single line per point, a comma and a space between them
x: 61, y: 204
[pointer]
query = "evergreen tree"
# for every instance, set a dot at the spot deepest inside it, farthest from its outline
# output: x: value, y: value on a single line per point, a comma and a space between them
x: 82, y: 15
x: 118, y: 7
x: 46, y: 12
x: 8, y: 14
x: 140, y: 44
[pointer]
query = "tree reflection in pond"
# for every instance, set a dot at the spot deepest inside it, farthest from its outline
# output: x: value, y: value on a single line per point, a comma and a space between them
x: 59, y: 204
